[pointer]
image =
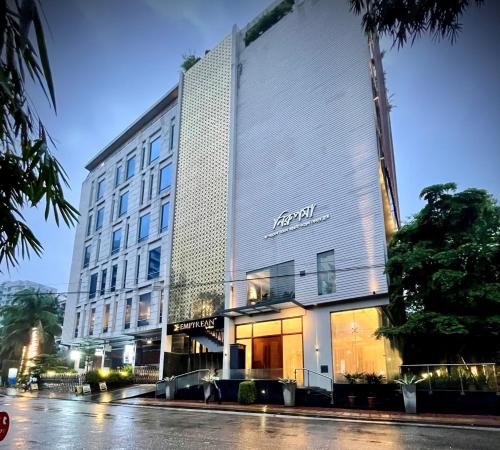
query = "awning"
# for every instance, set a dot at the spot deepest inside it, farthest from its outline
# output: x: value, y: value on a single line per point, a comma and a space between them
x: 261, y: 308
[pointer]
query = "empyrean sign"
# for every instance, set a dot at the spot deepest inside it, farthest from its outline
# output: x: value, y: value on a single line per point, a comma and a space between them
x: 210, y: 323
x: 285, y: 221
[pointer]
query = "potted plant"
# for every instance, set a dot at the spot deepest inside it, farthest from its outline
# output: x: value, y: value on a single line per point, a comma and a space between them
x: 210, y: 388
x: 289, y: 388
x: 409, y: 386
x: 169, y: 387
x: 373, y: 379
x: 352, y: 379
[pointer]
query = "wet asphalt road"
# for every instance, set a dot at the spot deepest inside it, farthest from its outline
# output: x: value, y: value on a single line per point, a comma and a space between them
x: 62, y: 424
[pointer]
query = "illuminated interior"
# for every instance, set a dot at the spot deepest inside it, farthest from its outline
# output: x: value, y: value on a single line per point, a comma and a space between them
x: 355, y: 347
x: 274, y: 345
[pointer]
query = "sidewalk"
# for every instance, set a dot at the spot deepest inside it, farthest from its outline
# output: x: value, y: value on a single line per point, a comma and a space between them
x: 330, y: 413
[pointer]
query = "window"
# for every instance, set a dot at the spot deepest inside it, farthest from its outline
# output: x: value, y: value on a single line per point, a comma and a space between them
x: 154, y: 149
x: 115, y: 243
x: 93, y: 285
x: 130, y: 167
x: 172, y: 133
x: 118, y: 175
x: 144, y: 310
x: 77, y: 324
x: 326, y: 272
x: 89, y: 225
x: 272, y: 283
x: 115, y: 311
x: 114, y: 272
x: 105, y: 319
x: 92, y: 321
x: 124, y: 278
x: 154, y: 263
x: 165, y: 177
x: 99, y: 219
x: 98, y: 250
x: 143, y: 186
x: 123, y: 204
x: 128, y: 313
x: 100, y: 189
x: 144, y: 227
x: 160, y: 320
x: 165, y: 215
x: 137, y: 267
x: 103, y: 281
x: 151, y: 182
x: 127, y: 230
x: 86, y: 256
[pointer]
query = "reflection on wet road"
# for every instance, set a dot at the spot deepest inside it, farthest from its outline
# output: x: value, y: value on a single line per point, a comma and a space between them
x: 63, y: 424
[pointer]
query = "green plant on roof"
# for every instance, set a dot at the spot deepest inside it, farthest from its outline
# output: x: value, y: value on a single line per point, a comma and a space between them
x: 189, y: 61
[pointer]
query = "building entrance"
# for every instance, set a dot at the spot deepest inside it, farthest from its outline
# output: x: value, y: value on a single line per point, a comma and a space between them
x: 267, y: 352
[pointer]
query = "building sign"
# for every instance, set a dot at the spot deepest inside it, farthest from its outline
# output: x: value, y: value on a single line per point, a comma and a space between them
x: 129, y: 354
x: 211, y: 323
x: 290, y: 221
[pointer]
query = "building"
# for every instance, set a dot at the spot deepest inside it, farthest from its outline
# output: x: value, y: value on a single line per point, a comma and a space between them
x: 9, y: 288
x: 284, y: 197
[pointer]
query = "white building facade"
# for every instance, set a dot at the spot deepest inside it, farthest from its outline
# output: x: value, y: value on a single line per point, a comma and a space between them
x: 283, y: 197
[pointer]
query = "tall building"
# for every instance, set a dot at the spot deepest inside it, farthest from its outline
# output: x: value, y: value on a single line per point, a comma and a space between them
x: 9, y: 288
x: 283, y: 194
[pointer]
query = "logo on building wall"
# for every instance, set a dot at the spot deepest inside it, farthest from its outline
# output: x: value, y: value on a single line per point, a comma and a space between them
x: 290, y: 221
x: 211, y: 323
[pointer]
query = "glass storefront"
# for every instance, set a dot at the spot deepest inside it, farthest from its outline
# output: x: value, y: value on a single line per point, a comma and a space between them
x: 354, y: 345
x: 272, y: 348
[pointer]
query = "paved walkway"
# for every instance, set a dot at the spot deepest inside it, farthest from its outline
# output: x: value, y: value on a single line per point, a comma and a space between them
x: 337, y: 413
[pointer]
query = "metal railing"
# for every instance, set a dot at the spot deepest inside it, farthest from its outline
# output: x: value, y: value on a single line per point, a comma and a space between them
x: 307, y: 376
x: 189, y: 379
x: 455, y: 377
x: 60, y: 382
x: 147, y: 374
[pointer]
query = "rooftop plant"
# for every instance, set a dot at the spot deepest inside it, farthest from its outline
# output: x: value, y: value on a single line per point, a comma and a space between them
x: 268, y: 20
x: 189, y: 61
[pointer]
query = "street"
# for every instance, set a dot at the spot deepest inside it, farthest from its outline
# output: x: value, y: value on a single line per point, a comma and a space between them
x: 63, y: 424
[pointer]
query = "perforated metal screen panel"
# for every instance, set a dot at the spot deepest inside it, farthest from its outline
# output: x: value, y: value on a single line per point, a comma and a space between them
x: 200, y: 220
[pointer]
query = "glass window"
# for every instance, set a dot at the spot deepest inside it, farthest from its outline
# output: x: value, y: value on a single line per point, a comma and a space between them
x: 123, y: 204
x: 165, y: 216
x: 114, y: 272
x: 248, y: 351
x: 154, y: 149
x: 128, y: 313
x: 172, y: 133
x: 292, y: 325
x: 137, y: 268
x: 89, y: 225
x: 355, y: 347
x: 143, y: 187
x: 165, y: 177
x: 144, y: 310
x: 268, y: 328
x: 160, y: 320
x: 292, y: 356
x: 86, y: 256
x: 103, y: 281
x: 118, y: 175
x: 99, y: 219
x: 92, y: 321
x: 115, y: 243
x: 127, y: 230
x: 93, y: 285
x: 77, y: 324
x: 100, y: 189
x: 244, y: 331
x: 272, y: 283
x: 154, y: 263
x: 130, y: 167
x: 105, y: 319
x: 151, y: 182
x: 124, y: 278
x: 326, y: 272
x: 144, y: 227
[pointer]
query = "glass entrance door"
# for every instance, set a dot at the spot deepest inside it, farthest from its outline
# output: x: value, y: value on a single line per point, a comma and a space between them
x: 267, y: 353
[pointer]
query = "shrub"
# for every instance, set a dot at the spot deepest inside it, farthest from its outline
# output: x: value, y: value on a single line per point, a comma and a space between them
x: 189, y: 61
x: 247, y: 392
x: 268, y: 20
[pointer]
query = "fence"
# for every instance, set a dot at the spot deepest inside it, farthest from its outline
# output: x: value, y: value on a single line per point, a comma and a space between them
x: 455, y: 377
x: 148, y: 374
x: 60, y: 382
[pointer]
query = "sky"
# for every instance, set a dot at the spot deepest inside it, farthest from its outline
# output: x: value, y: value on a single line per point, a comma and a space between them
x: 112, y: 59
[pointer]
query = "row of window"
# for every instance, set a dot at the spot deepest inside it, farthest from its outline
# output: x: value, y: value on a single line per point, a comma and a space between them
x: 277, y: 282
x: 143, y: 233
x: 153, y: 155
x: 143, y: 315
x: 165, y: 182
x: 153, y: 271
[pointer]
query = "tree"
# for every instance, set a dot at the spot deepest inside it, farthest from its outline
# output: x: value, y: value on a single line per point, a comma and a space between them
x: 29, y: 172
x: 405, y: 20
x: 28, y: 309
x: 444, y: 268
